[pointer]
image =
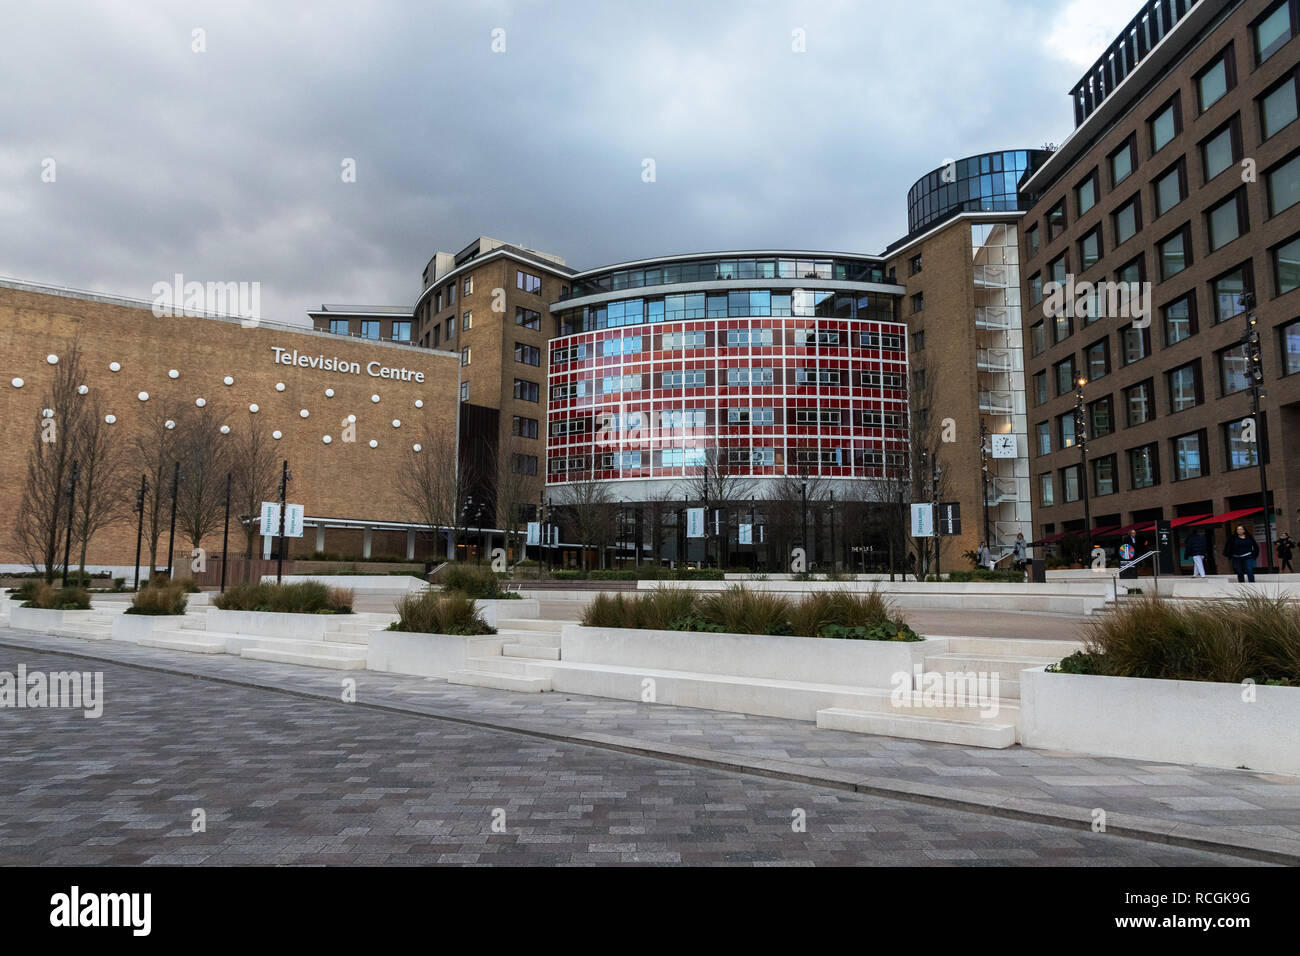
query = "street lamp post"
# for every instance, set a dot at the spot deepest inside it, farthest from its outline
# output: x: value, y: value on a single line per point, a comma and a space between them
x: 225, y: 537
x: 833, y: 562
x: 1081, y: 439
x: 139, y: 528
x: 984, y: 481
x: 67, y: 540
x: 803, y: 500
x: 753, y: 531
x: 1250, y: 342
x: 285, y: 478
x: 171, y: 534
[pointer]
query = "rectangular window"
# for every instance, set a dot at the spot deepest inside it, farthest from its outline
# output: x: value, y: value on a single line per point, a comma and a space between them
x: 1043, y: 432
x: 1036, y: 288
x: 1185, y: 387
x: 1056, y: 220
x: 625, y: 346
x: 1170, y: 188
x: 873, y: 418
x: 1234, y: 370
x: 1180, y: 319
x: 1065, y: 376
x: 1031, y: 240
x: 741, y: 338
x: 469, y: 285
x: 1189, y: 456
x: 1135, y: 343
x: 1286, y: 265
x: 686, y: 340
x: 1166, y: 124
x: 1227, y: 290
x: 464, y: 391
x: 451, y: 294
x: 527, y: 318
x: 1085, y: 194
x: 1138, y: 404
x: 1127, y: 220
x: 918, y: 340
x: 1046, y: 490
x: 523, y: 427
x: 467, y: 321
x: 918, y: 302
x: 682, y: 418
x: 1103, y: 476
x: 1122, y: 162
x: 401, y: 331
x: 1058, y: 269
x: 1090, y: 249
x: 1070, y: 483
x: 526, y: 391
x: 809, y: 376
x: 1240, y: 453
x: 1283, y: 185
x: 528, y: 354
x: 750, y: 376
x: 1227, y: 221
x: 1040, y: 388
x: 1175, y: 253
x: 1065, y: 430
x: 914, y: 264
x: 814, y: 416
x: 451, y: 328
x: 1272, y: 30
x: 1037, y: 339
x: 1277, y: 106
x: 689, y: 378
x: 883, y: 379
x: 1215, y: 80
x: 369, y: 329
x: 1102, y: 417
x: 528, y: 282
x: 339, y: 326
x: 1290, y: 334
x: 523, y: 464
x: 1221, y: 150
x: 1096, y: 359
x: 1144, y: 466
x: 464, y: 355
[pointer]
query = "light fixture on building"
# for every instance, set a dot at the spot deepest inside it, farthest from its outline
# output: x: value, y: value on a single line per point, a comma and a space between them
x: 253, y: 408
x: 17, y: 383
x: 172, y: 373
x: 329, y: 393
x: 375, y: 399
x: 276, y: 435
x: 279, y: 386
x: 373, y: 443
x: 416, y: 447
x: 110, y: 419
x: 304, y: 413
x: 228, y: 380
x: 200, y: 402
x: 52, y: 359
x: 143, y: 396
x: 327, y: 439
x: 114, y: 366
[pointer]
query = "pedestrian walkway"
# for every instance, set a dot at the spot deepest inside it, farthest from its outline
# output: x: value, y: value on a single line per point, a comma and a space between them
x: 1246, y: 813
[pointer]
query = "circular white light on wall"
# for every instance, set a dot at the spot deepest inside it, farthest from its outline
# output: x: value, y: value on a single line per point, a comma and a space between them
x: 419, y: 403
x: 327, y: 439
x: 304, y: 413
x: 169, y: 424
x: 83, y: 389
x: 228, y: 380
x: 200, y: 402
x: 143, y: 396
x: 253, y: 408
x: 397, y: 423
x: 17, y: 383
x: 276, y: 435
x: 110, y: 419
x: 279, y: 386
x: 352, y: 419
x: 172, y: 373
x: 375, y: 399
x: 115, y: 366
x: 329, y: 393
x: 416, y: 447
x: 52, y: 359
x: 373, y: 443
x: 225, y: 429
x: 47, y: 413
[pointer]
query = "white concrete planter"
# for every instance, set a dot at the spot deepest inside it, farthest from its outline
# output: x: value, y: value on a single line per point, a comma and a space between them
x: 1191, y: 722
x: 38, y: 619
x: 493, y: 611
x: 808, y: 659
x: 303, y: 627
x: 133, y: 627
x: 427, y: 655
x: 379, y: 584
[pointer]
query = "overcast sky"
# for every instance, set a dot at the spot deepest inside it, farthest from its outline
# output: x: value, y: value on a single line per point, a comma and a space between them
x: 226, y: 165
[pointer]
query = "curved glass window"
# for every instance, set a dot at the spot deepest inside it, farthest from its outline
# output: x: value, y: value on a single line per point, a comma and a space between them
x: 986, y: 183
x: 726, y: 269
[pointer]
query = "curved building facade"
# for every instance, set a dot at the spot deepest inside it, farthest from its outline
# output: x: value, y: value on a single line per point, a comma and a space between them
x: 988, y: 182
x: 759, y: 366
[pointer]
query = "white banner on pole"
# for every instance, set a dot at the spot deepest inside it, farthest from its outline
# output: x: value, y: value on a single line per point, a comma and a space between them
x: 270, y: 523
x: 746, y: 534
x: 534, y: 533
x: 922, y: 521
x: 695, y: 522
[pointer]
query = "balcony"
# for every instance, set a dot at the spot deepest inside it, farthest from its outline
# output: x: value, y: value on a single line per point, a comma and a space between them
x: 997, y: 403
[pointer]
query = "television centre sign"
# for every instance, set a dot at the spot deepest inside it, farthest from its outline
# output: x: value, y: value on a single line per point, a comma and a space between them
x: 335, y: 364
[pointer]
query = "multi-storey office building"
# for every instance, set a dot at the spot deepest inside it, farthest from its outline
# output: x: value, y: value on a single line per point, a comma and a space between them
x: 1183, y: 176
x: 754, y: 366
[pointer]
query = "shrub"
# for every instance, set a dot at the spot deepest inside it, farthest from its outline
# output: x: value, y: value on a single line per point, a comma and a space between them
x: 699, y: 574
x: 471, y: 581
x: 565, y: 575
x: 119, y: 584
x: 49, y: 598
x: 884, y: 631
x: 164, y: 598
x: 815, y: 612
x: 612, y: 575
x: 299, y: 597
x: 738, y: 610
x: 984, y: 574
x: 431, y: 612
x: 653, y: 610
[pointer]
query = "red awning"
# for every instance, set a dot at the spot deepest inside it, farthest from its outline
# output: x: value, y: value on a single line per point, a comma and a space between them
x: 1051, y: 539
x: 1140, y: 526
x: 1104, y: 532
x: 1229, y: 516
x: 1191, y: 519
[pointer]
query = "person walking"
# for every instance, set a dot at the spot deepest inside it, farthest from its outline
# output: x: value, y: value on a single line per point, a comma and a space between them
x: 1196, y: 548
x: 1020, y: 550
x: 985, y: 556
x: 1285, y: 545
x: 1243, y: 549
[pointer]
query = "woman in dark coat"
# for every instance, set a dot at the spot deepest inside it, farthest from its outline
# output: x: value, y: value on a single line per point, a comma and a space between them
x: 1243, y: 550
x: 1284, y: 548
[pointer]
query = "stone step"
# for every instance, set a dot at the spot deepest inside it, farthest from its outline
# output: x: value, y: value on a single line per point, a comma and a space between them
x: 967, y: 733
x: 536, y: 638
x: 520, y: 667
x: 1012, y: 647
x: 238, y: 643
x: 1000, y: 709
x: 1008, y: 668
x: 306, y: 660
x: 534, y: 651
x: 173, y: 641
x: 86, y: 632
x: 531, y: 624
x: 477, y: 678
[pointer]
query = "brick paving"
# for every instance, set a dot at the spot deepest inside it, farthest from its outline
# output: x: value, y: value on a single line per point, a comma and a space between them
x: 287, y: 780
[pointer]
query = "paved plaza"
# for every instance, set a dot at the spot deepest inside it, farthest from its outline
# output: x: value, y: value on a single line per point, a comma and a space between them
x: 418, y: 771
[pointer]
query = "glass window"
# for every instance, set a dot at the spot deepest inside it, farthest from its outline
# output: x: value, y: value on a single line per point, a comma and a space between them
x: 369, y: 330
x: 1065, y: 376
x: 1097, y: 360
x: 527, y: 354
x: 1234, y: 370
x: 1173, y: 254
x: 526, y: 391
x: 1137, y: 401
x: 1040, y: 388
x: 1102, y: 417
x: 523, y: 427
x: 1046, y: 490
x: 1189, y: 460
x: 1127, y: 222
x: 1169, y: 190
x: 1273, y: 30
x: 1284, y: 185
x: 1057, y: 269
x: 1036, y: 288
x: 1090, y: 249
x: 1136, y: 344
x: 1277, y: 108
x: 464, y: 355
x: 1065, y: 429
x: 1164, y: 126
x: 1143, y: 466
x: 526, y: 281
x: 1226, y: 292
x: 1122, y: 162
x: 1185, y: 387
x: 1031, y: 239
x: 402, y: 331
x: 1180, y: 320
x: 1212, y: 83
x: 339, y: 326
x: 1043, y: 431
x: 1290, y: 347
x: 1086, y: 194
x: 1070, y: 482
x: 1286, y: 266
x: 1225, y: 221
x: 1240, y: 453
x: 1219, y: 152
x: 527, y: 318
x: 1103, y: 476
x: 1056, y: 220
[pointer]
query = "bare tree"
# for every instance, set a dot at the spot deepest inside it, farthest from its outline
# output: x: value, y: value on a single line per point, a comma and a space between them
x: 793, y: 503
x: 512, y: 488
x: 717, y: 483
x: 255, y: 478
x: 589, y: 507
x: 433, y: 483
x: 205, y: 461
x: 102, y: 485
x: 41, y: 524
x: 155, y: 445
x: 660, y: 507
